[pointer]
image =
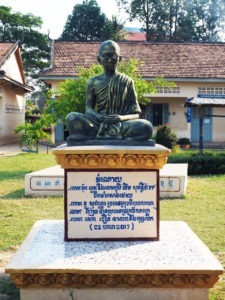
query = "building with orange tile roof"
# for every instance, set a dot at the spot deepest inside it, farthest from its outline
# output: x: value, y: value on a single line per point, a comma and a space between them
x: 12, y: 91
x: 198, y: 69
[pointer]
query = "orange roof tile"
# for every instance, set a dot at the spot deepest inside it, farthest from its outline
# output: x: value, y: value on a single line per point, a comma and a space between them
x: 135, y: 36
x: 171, y: 60
x: 5, y: 49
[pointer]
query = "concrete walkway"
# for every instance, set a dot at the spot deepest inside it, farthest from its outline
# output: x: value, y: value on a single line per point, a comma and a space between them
x: 10, y: 149
x: 14, y: 149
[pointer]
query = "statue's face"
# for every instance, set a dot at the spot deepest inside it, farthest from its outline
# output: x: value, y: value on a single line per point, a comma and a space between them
x: 109, y: 57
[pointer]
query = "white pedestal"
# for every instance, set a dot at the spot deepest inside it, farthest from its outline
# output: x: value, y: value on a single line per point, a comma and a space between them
x: 178, y: 266
x: 50, y: 181
x: 173, y: 180
x: 46, y: 182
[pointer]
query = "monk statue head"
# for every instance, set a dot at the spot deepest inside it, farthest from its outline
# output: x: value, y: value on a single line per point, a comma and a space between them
x: 109, y: 55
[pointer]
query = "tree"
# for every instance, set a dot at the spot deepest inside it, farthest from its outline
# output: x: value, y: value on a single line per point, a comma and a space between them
x: 71, y: 95
x: 32, y: 133
x: 35, y: 49
x: 177, y: 20
x: 88, y: 23
x: 113, y: 30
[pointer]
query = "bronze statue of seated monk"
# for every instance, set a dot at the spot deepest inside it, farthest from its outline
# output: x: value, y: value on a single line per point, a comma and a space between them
x: 112, y: 109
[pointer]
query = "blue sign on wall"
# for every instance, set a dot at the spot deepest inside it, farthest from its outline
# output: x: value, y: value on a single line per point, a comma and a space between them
x: 189, y: 112
x: 221, y: 96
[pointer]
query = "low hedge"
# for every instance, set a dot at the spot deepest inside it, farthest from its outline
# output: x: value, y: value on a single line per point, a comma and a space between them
x: 208, y: 163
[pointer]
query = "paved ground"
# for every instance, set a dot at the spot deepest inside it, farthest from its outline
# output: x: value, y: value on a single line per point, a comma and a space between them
x: 14, y: 148
x: 10, y: 149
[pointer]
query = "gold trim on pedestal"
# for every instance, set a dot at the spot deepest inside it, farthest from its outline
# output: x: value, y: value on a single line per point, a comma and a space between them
x: 107, y: 158
x: 62, y: 280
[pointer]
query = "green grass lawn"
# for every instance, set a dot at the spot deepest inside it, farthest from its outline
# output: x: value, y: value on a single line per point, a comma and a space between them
x: 203, y: 208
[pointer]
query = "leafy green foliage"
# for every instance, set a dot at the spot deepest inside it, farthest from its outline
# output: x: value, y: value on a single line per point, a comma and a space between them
x: 85, y: 23
x: 184, y: 141
x: 33, y: 133
x: 113, y: 30
x: 88, y: 23
x: 35, y: 50
x: 177, y: 20
x: 8, y: 288
x: 71, y: 94
x: 209, y: 163
x: 166, y: 136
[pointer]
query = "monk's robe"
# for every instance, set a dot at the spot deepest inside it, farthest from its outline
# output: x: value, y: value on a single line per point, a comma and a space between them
x: 116, y: 96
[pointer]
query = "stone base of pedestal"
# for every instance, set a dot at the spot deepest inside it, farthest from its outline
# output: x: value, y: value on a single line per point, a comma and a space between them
x: 115, y: 293
x: 178, y: 267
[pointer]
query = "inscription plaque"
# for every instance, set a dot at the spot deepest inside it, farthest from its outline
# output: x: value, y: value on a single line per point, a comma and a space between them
x: 101, y: 205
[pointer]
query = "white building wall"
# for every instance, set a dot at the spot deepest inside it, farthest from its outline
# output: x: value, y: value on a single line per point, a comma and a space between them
x: 13, y: 114
x: 12, y: 102
x: 11, y: 68
x: 177, y: 111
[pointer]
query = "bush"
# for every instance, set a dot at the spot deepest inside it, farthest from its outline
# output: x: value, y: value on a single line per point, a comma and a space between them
x: 166, y: 136
x: 209, y: 163
x: 183, y: 141
x: 32, y: 133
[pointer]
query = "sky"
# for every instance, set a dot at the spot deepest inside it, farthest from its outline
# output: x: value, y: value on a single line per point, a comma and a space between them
x: 54, y: 13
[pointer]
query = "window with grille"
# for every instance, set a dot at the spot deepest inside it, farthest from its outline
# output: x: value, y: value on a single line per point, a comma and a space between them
x: 211, y: 90
x: 166, y: 90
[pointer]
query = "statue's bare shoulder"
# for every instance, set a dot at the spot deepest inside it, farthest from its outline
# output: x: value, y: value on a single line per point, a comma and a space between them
x: 94, y: 81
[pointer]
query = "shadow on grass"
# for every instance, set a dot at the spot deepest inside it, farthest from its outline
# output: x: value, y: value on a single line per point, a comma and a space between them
x: 14, y: 195
x: 13, y: 174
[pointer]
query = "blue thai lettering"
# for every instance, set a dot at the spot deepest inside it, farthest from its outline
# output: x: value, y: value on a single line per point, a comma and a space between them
x: 90, y: 219
x: 76, y: 219
x: 116, y: 187
x: 126, y: 186
x: 120, y: 219
x: 111, y: 227
x: 104, y: 219
x: 115, y: 179
x: 82, y: 188
x: 143, y: 186
x: 76, y: 203
x: 97, y: 227
x: 75, y: 211
x: 92, y: 187
x: 171, y: 183
x: 91, y: 212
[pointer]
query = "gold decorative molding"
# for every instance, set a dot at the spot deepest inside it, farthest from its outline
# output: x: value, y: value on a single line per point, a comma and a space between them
x: 59, y: 280
x: 120, y: 158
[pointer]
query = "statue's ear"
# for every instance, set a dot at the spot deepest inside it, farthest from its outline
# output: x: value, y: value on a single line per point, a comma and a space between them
x: 98, y: 59
x: 120, y: 58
